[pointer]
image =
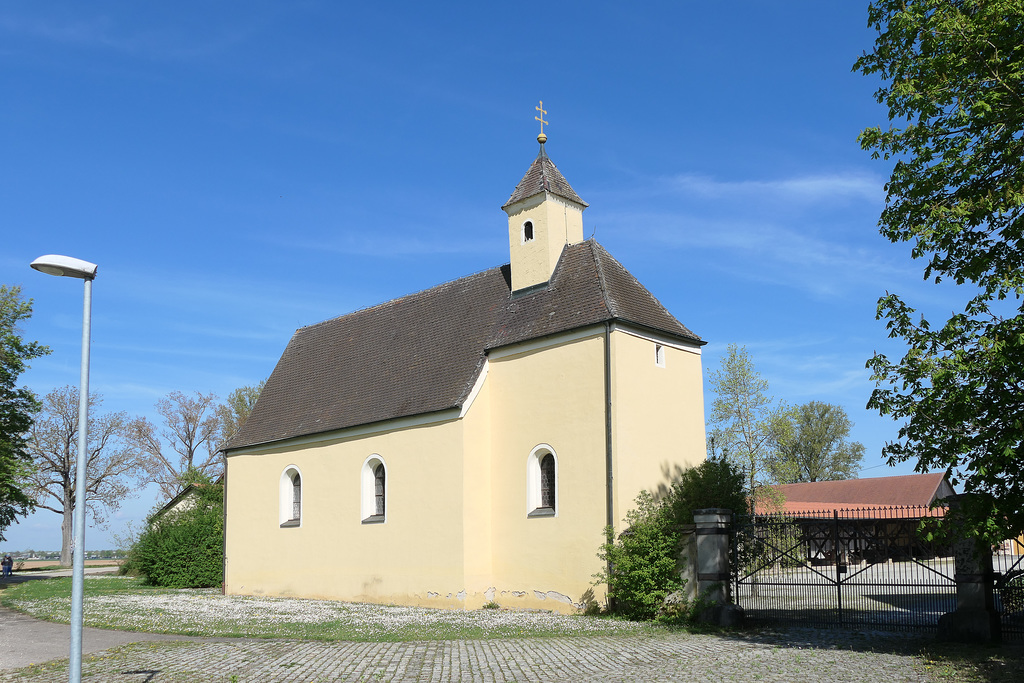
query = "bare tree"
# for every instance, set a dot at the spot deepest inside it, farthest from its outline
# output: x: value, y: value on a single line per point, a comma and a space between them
x: 112, y: 462
x: 236, y: 409
x: 187, y: 442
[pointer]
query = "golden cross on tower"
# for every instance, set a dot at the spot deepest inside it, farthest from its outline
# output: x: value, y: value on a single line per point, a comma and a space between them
x: 541, y: 138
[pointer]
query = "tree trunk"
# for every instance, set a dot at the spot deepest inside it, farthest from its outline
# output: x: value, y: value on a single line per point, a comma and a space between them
x: 66, y: 529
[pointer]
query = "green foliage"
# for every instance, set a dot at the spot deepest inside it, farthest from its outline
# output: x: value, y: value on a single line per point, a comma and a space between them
x: 17, y: 406
x: 953, y: 71
x: 185, y: 548
x: 814, y: 446
x: 680, y: 612
x: 715, y: 483
x: 643, y: 564
x: 745, y: 421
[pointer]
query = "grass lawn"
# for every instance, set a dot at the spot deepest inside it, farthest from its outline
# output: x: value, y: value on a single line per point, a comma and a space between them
x: 129, y: 605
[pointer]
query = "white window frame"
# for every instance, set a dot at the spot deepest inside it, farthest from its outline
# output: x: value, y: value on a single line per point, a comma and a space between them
x: 522, y: 232
x: 286, y: 500
x: 368, y: 494
x: 659, y: 355
x: 533, y: 482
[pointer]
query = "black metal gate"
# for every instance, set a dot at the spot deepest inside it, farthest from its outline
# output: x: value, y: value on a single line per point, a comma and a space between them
x: 872, y: 567
x: 1008, y: 566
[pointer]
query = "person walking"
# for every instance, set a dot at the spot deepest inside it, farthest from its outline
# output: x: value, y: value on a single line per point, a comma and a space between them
x: 8, y: 564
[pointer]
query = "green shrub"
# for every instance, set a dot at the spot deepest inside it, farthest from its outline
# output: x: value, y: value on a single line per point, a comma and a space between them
x: 642, y: 565
x: 184, y: 549
x: 715, y: 483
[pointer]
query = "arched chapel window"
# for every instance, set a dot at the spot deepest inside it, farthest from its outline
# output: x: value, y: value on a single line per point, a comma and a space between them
x: 290, y: 497
x: 542, y: 482
x: 527, y: 231
x: 373, y: 491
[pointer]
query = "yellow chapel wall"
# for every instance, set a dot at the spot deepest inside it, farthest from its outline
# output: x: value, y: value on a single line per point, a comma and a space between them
x: 658, y: 415
x: 415, y: 557
x: 547, y: 392
x: 477, y: 481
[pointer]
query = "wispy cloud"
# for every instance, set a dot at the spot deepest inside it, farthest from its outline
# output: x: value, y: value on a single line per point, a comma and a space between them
x: 103, y: 33
x: 806, y: 189
x: 798, y: 254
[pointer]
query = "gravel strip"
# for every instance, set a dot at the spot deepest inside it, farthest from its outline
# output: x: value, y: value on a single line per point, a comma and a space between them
x: 209, y: 613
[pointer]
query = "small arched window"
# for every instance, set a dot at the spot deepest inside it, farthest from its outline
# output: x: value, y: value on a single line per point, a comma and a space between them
x: 527, y: 231
x: 373, y: 491
x: 290, y: 497
x: 542, y: 482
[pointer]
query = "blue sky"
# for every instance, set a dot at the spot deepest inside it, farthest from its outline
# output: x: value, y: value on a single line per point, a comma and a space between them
x: 239, y: 170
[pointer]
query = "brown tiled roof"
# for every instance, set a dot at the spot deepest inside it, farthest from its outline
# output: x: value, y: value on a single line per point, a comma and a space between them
x: 909, y: 489
x: 422, y: 353
x: 543, y: 176
x: 587, y: 287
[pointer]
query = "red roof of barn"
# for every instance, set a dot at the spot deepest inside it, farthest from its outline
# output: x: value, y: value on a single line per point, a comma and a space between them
x: 919, y: 490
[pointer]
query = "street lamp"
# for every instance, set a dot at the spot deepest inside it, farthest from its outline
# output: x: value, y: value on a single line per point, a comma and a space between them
x: 65, y: 266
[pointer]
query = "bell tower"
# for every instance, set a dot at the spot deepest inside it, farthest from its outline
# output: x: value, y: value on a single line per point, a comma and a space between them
x: 544, y: 215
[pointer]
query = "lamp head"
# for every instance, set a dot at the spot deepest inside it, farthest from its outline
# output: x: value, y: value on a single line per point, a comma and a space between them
x: 65, y: 266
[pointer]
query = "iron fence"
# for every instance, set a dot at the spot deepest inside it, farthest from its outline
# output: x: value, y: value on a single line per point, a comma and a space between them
x: 876, y: 567
x: 1008, y: 568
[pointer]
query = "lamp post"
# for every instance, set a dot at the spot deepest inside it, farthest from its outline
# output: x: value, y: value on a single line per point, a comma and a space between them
x: 65, y: 266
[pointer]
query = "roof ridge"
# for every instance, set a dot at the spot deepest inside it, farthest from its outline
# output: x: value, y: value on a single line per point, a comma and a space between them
x: 599, y: 254
x: 606, y: 297
x: 403, y: 297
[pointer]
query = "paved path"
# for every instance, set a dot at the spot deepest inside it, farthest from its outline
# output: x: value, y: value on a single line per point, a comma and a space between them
x: 783, y: 657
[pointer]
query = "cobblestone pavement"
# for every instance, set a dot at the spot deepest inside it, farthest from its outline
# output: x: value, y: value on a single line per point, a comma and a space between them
x: 788, y: 656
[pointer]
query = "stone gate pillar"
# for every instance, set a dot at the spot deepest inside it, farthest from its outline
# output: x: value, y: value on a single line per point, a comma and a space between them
x: 975, y: 619
x: 713, y: 574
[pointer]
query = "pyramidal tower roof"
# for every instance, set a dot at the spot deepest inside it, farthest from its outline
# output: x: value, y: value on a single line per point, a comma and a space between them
x: 543, y: 176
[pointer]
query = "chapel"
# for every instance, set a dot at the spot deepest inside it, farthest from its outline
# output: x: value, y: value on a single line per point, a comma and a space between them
x: 469, y: 443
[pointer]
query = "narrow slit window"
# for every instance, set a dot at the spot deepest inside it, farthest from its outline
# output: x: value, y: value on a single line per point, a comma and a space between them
x: 547, y: 482
x: 289, y: 512
x: 542, y: 482
x: 378, y: 490
x: 373, y: 491
x: 296, y: 498
x: 528, y: 231
x: 659, y: 355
